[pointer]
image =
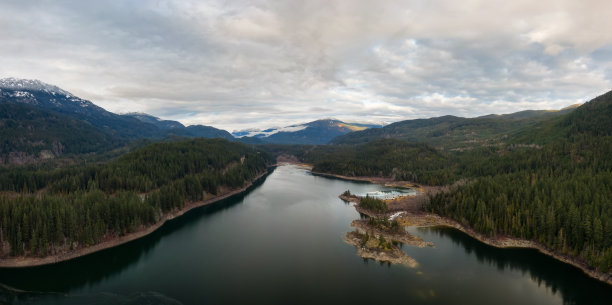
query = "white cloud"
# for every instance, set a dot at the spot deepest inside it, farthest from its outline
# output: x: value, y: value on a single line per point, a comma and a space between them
x: 243, y: 64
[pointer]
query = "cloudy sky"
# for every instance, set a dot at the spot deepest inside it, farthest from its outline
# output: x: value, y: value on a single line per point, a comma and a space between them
x: 241, y: 64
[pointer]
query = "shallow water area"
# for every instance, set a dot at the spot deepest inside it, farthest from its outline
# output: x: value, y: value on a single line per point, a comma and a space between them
x: 389, y: 193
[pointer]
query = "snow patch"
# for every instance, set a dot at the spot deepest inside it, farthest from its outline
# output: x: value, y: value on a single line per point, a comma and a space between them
x: 31, y: 84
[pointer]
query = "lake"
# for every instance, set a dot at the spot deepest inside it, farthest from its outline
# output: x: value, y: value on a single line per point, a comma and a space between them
x: 281, y: 243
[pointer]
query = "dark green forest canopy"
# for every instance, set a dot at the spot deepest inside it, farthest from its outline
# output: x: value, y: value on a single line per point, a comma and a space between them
x: 43, y: 211
x: 450, y: 133
x: 559, y: 195
x: 31, y: 131
x: 550, y: 182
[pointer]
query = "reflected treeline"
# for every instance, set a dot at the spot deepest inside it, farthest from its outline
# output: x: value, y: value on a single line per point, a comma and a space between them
x: 573, y: 285
x: 98, y: 266
x: 8, y: 296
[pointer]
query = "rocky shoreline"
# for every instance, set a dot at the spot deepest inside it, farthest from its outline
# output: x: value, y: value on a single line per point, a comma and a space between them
x: 370, y: 250
x: 402, y: 237
x: 415, y: 217
x: 434, y: 220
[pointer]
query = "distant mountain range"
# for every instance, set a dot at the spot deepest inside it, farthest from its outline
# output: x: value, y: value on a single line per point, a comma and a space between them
x: 39, y: 121
x: 316, y: 132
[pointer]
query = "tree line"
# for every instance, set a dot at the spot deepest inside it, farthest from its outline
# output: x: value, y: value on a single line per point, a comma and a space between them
x: 48, y: 210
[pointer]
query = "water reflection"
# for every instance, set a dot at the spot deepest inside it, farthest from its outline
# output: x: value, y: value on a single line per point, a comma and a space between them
x: 559, y: 277
x: 284, y: 245
x: 102, y: 265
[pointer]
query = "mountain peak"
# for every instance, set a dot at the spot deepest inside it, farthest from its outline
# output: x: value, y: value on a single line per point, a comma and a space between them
x: 30, y: 84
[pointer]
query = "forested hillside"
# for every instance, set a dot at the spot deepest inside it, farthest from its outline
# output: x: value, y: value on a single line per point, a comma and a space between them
x: 39, y: 121
x: 382, y: 158
x: 559, y: 195
x: 453, y: 133
x: 27, y: 133
x: 46, y: 211
x: 550, y: 182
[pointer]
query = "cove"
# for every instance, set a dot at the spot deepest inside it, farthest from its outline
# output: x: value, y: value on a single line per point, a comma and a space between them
x: 281, y: 243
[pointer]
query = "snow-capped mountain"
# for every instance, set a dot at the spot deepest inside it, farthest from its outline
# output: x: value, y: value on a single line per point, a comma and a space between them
x: 31, y: 91
x: 316, y: 132
x: 31, y: 85
x: 40, y: 95
x: 259, y: 133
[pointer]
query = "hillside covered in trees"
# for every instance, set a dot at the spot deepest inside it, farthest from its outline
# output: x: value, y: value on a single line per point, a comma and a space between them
x: 43, y: 211
x: 550, y: 182
x: 559, y: 195
x: 452, y: 133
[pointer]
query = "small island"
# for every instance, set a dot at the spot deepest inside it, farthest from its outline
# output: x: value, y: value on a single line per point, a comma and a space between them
x: 379, y: 249
x: 380, y: 236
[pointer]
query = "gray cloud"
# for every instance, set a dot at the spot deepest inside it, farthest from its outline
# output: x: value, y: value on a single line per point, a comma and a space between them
x: 243, y: 64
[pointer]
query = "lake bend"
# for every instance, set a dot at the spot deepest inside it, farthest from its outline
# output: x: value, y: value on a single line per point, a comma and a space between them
x: 281, y: 242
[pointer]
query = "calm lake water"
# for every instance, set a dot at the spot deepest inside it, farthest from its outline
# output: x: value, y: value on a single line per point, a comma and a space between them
x: 281, y: 243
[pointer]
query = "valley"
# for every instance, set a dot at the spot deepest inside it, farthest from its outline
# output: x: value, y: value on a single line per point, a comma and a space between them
x: 76, y: 181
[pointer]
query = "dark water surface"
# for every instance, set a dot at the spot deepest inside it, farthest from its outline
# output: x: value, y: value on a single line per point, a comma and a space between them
x: 281, y: 243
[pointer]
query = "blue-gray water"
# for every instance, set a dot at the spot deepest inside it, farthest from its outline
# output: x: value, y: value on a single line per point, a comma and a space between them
x: 281, y: 243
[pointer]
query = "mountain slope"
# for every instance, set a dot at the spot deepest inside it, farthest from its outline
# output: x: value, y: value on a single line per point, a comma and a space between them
x: 316, y: 132
x: 455, y: 133
x: 161, y: 124
x: 29, y: 134
x: 201, y: 131
x: 51, y: 98
x: 45, y: 97
x: 592, y: 118
x: 174, y: 128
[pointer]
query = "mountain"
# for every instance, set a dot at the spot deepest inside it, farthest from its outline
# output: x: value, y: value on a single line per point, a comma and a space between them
x: 174, y: 128
x: 592, y: 117
x: 456, y: 133
x: 28, y: 134
x: 45, y: 97
x: 161, y: 124
x: 201, y: 131
x: 51, y: 98
x: 316, y: 132
x: 527, y: 114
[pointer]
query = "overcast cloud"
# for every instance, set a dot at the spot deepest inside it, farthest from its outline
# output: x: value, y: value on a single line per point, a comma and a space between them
x: 241, y: 64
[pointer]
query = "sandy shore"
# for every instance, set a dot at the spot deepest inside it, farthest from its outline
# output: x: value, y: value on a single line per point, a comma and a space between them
x: 19, y: 262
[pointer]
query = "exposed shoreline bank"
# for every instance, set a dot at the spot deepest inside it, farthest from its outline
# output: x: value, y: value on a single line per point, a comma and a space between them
x: 422, y: 219
x: 434, y: 220
x: 23, y: 262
